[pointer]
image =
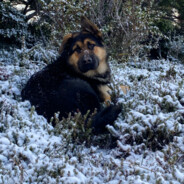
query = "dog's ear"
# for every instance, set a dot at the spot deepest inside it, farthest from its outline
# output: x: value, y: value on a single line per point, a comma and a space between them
x: 88, y: 26
x: 66, y: 42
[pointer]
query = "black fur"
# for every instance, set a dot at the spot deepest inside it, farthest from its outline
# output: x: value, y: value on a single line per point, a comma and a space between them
x: 58, y: 87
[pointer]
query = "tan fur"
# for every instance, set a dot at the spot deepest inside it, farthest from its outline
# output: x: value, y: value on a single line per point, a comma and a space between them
x: 88, y: 40
x: 88, y: 27
x: 103, y: 67
x: 104, y: 89
x: 65, y: 39
x: 100, y: 70
x: 74, y: 60
x: 83, y: 45
x: 98, y: 51
x: 101, y: 54
x: 125, y: 89
x: 80, y: 44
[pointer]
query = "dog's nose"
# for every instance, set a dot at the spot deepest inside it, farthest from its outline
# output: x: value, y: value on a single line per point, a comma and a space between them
x: 87, y: 59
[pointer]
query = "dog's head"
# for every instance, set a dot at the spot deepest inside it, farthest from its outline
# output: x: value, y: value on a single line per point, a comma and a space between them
x: 85, y: 50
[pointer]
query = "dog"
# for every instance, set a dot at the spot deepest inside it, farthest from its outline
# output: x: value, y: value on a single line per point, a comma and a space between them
x: 77, y: 81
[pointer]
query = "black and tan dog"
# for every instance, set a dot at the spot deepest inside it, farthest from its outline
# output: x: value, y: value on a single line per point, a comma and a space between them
x: 76, y: 81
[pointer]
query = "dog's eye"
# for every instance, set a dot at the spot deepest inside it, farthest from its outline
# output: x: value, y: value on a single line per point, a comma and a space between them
x: 91, y: 46
x: 78, y: 49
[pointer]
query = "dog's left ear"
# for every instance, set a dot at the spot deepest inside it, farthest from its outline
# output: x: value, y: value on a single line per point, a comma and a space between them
x: 88, y: 26
x: 65, y: 42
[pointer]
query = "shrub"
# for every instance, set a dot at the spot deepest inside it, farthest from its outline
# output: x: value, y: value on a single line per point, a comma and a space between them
x: 176, y: 49
x: 125, y: 24
x: 13, y: 26
x: 153, y: 108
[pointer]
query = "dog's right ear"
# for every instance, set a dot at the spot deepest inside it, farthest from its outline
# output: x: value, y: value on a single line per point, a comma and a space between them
x: 65, y: 42
x: 88, y: 26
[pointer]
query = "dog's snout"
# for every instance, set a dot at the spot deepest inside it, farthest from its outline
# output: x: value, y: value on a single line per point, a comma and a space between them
x: 87, y: 61
x: 87, y: 58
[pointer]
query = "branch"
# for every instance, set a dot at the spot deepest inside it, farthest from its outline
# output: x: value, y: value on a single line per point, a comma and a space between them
x: 31, y: 15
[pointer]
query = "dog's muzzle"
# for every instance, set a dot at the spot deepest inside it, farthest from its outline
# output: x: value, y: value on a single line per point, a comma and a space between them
x: 88, y: 62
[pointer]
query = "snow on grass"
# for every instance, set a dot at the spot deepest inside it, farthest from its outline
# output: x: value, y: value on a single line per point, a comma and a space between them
x: 149, y: 132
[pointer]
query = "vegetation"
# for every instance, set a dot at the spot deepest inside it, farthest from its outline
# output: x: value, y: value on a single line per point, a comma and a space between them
x: 135, y: 26
x: 145, y: 144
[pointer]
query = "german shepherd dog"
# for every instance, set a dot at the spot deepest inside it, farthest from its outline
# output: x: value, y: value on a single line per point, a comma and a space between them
x: 76, y: 81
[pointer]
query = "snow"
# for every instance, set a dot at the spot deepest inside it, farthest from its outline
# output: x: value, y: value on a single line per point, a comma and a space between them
x: 149, y: 132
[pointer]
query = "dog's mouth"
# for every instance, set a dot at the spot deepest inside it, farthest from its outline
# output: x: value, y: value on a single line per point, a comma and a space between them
x: 88, y: 63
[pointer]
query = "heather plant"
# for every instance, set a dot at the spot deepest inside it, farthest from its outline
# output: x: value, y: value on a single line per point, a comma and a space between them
x: 149, y: 132
x: 145, y: 145
x: 12, y: 26
x: 125, y: 25
x: 176, y: 49
x: 75, y: 129
x: 153, y: 111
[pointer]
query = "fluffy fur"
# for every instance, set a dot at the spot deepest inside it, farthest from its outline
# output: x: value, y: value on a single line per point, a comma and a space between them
x: 76, y: 81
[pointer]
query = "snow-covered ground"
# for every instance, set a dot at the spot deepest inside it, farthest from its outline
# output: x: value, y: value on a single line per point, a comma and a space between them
x: 149, y: 132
